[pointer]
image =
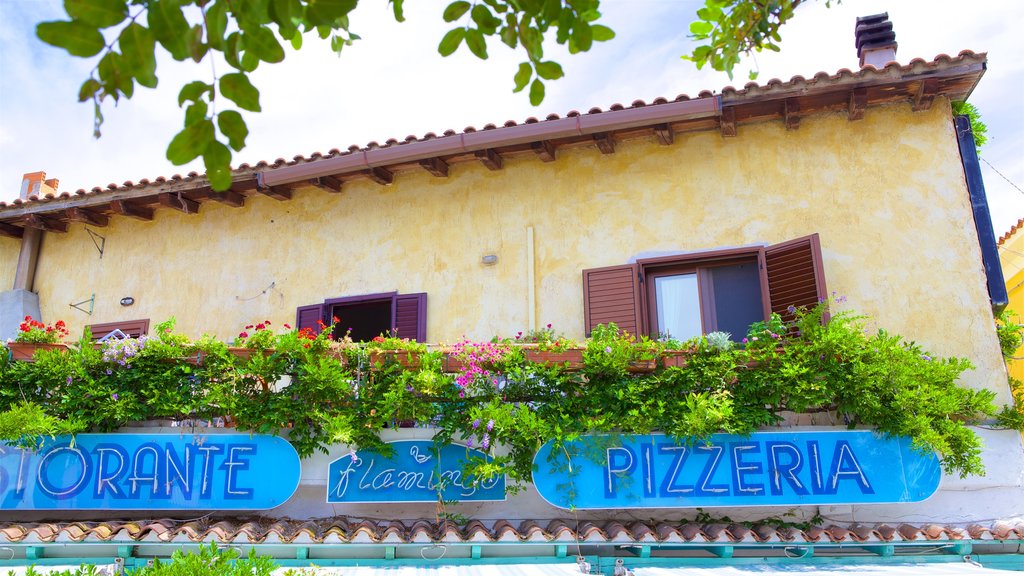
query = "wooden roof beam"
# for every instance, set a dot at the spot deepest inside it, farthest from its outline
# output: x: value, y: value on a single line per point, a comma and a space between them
x: 791, y: 113
x: 330, y: 184
x: 489, y: 158
x: 435, y: 166
x: 228, y: 197
x: 178, y: 202
x: 45, y: 224
x: 727, y: 123
x: 858, y: 103
x: 11, y: 231
x: 604, y: 143
x: 544, y: 150
x: 665, y: 134
x: 925, y: 94
x: 89, y: 217
x: 276, y: 192
x: 125, y: 208
x: 381, y: 176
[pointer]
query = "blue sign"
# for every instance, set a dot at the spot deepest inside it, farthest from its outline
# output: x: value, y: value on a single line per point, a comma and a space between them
x: 414, y: 472
x: 149, y: 472
x: 763, y: 469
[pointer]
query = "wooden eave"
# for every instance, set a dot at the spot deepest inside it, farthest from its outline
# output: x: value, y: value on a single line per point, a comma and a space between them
x: 916, y: 84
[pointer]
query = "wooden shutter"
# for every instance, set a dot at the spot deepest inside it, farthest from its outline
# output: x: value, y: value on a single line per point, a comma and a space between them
x: 795, y: 274
x: 612, y: 294
x: 309, y: 317
x: 130, y: 328
x: 410, y: 316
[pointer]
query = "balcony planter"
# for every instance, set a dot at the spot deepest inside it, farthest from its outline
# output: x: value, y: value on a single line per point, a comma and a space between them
x: 570, y: 359
x: 25, y: 351
x: 642, y: 366
x: 404, y: 358
x: 675, y: 358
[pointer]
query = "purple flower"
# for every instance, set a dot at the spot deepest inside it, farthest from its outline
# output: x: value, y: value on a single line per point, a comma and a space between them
x: 744, y: 340
x: 791, y: 309
x: 69, y: 380
x: 927, y: 358
x: 476, y: 424
x: 607, y: 349
x: 114, y: 396
x: 490, y: 425
x: 486, y: 443
x: 469, y: 443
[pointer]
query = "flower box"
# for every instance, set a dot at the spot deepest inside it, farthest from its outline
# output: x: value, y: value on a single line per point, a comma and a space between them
x: 25, y: 351
x: 675, y: 358
x: 571, y: 359
x: 404, y: 358
x: 642, y: 366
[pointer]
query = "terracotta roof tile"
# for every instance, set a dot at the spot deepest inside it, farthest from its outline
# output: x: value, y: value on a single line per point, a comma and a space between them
x: 1009, y: 234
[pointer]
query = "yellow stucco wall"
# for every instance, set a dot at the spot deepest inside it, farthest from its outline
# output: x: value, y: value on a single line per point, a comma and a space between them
x: 1011, y: 256
x: 885, y: 193
x: 9, y: 248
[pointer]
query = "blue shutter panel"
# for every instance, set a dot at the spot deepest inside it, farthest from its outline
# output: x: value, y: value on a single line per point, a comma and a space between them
x: 411, y: 316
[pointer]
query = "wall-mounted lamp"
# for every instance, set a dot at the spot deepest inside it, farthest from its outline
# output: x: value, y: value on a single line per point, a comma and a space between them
x: 489, y: 259
x: 127, y: 301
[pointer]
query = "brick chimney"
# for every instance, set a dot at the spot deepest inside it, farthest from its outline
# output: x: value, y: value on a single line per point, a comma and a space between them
x: 876, y: 41
x: 36, y: 184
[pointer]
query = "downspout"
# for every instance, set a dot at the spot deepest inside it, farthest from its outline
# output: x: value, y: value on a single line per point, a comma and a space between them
x: 28, y: 259
x: 982, y: 217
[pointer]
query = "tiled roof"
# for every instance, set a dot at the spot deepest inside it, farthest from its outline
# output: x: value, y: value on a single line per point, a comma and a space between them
x: 774, y: 87
x: 1009, y: 234
x: 343, y: 531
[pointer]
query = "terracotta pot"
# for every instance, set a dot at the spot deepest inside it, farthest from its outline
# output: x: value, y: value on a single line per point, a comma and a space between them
x: 642, y: 366
x: 244, y: 354
x: 571, y: 359
x: 453, y: 364
x: 404, y: 358
x: 25, y: 352
x: 675, y: 358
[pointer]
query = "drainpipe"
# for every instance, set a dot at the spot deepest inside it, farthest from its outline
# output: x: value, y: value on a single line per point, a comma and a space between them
x: 21, y: 301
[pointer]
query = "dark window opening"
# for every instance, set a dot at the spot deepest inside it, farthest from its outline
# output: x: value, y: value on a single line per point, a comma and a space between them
x: 366, y: 320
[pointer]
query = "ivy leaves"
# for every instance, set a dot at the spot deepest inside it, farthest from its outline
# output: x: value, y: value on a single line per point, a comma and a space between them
x: 525, y: 25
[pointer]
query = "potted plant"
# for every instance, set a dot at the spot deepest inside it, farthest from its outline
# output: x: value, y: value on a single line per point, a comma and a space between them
x: 33, y: 336
x: 545, y: 346
x: 383, y: 350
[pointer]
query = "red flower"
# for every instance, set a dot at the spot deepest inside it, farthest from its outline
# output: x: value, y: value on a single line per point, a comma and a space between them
x: 287, y: 327
x: 336, y: 320
x: 243, y: 334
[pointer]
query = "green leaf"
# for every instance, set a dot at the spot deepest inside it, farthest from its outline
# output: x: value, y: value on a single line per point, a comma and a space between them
x: 193, y: 91
x: 536, y: 92
x: 169, y: 27
x: 701, y: 29
x: 451, y: 41
x: 286, y: 13
x: 188, y: 144
x: 601, y: 33
x: 88, y: 89
x: 233, y: 126
x: 78, y: 38
x: 455, y: 10
x: 327, y: 12
x: 231, y: 51
x: 99, y: 13
x: 397, y: 6
x: 549, y: 70
x: 237, y: 88
x: 485, y: 21
x: 262, y: 43
x: 115, y: 81
x: 137, y: 54
x: 476, y: 43
x: 217, y: 159
x: 194, y: 40
x: 216, y: 24
x: 297, y: 41
x: 523, y: 76
x: 195, y: 112
x: 581, y: 38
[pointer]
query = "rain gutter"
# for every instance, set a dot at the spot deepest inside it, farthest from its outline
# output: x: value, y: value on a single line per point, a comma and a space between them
x: 467, y: 142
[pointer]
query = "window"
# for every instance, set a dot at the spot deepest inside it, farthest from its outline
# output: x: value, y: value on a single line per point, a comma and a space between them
x: 692, y: 294
x: 130, y: 328
x: 370, y: 315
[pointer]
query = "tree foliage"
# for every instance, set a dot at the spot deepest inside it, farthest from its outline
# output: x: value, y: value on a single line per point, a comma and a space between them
x: 126, y: 35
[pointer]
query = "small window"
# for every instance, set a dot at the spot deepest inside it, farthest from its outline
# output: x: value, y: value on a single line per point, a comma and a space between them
x: 130, y: 328
x: 370, y: 315
x: 688, y: 295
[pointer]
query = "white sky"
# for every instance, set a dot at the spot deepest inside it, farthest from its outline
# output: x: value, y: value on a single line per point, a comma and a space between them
x: 393, y: 83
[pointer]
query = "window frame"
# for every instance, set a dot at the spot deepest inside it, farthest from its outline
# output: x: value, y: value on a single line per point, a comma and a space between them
x: 697, y: 263
x: 128, y: 327
x: 408, y: 310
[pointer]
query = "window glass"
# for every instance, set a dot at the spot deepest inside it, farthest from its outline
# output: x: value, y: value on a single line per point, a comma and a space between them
x: 678, y: 304
x: 737, y: 290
